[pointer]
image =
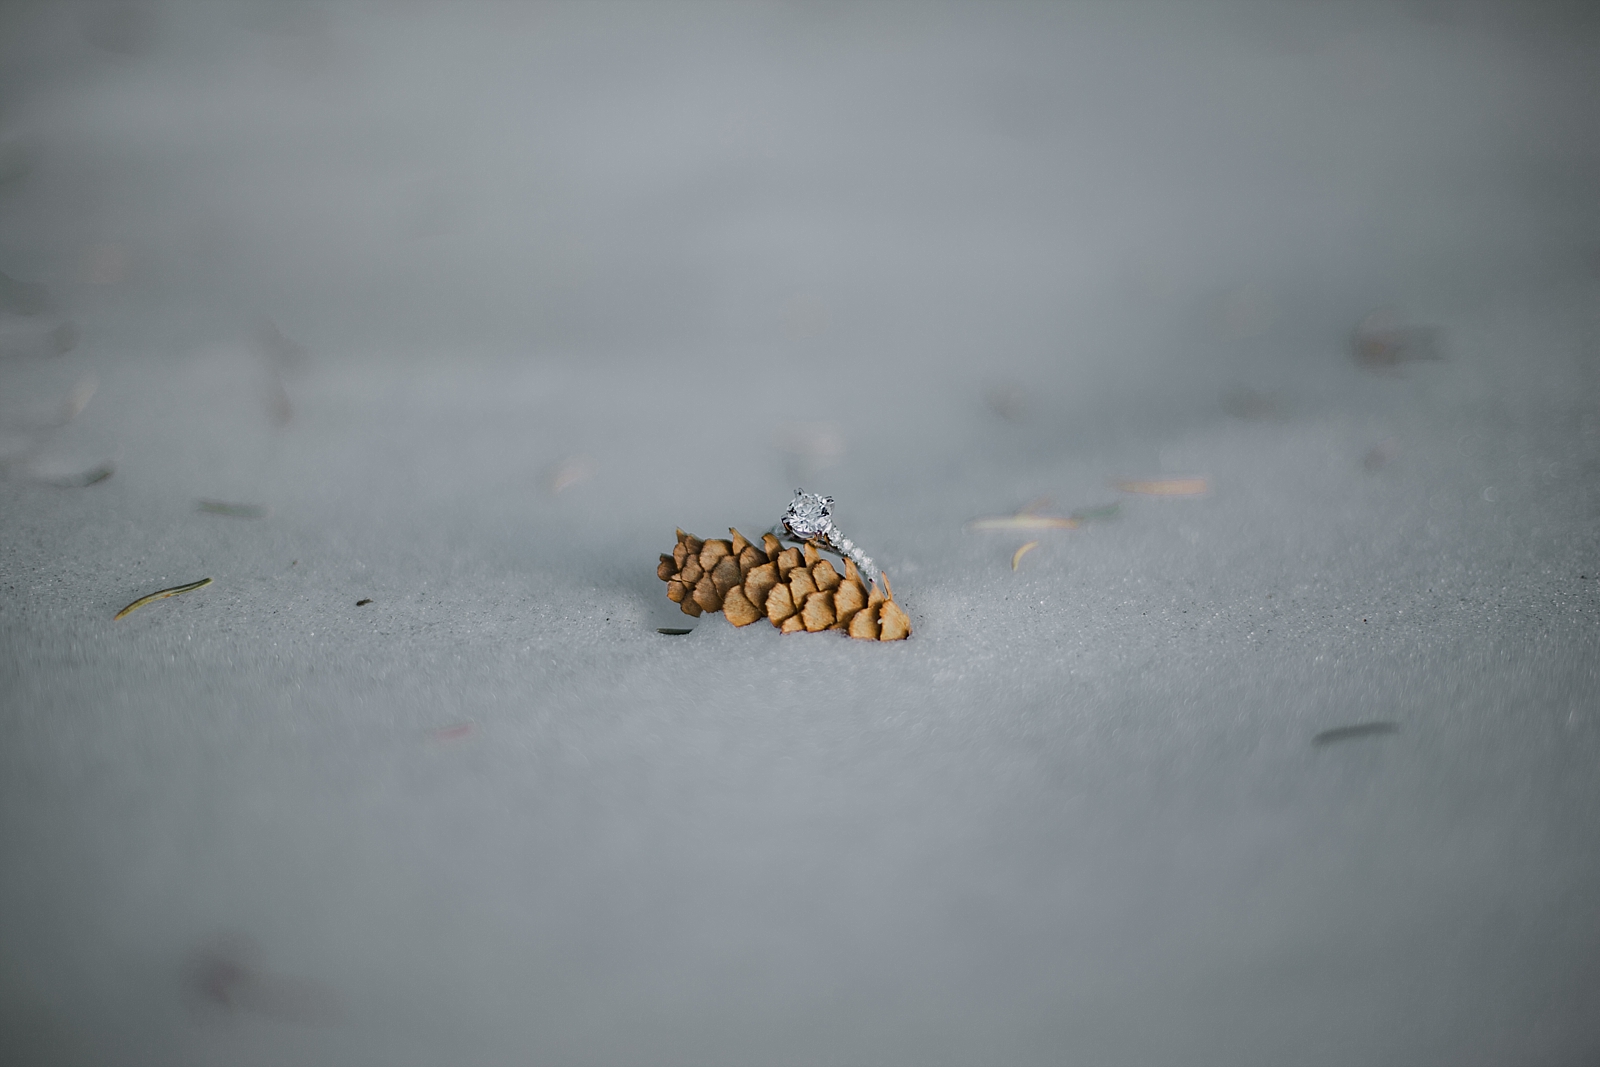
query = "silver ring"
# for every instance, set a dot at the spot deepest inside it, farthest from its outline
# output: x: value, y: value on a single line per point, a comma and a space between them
x: 808, y: 520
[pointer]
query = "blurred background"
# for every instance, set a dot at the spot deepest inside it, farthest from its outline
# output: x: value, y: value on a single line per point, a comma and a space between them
x: 459, y: 310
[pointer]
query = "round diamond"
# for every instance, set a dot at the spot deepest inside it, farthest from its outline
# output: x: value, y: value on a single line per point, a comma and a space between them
x: 807, y: 516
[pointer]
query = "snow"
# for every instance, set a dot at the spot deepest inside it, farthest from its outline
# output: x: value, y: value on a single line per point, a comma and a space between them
x: 569, y: 277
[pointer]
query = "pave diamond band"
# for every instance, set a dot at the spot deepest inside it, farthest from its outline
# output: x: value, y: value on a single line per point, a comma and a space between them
x: 808, y: 519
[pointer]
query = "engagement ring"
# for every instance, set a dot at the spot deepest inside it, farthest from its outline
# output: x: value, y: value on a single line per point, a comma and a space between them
x: 807, y: 520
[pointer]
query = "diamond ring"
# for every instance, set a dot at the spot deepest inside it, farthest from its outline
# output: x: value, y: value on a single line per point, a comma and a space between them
x: 808, y: 520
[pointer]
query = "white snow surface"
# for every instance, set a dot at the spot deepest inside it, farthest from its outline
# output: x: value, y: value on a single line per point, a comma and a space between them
x: 571, y: 277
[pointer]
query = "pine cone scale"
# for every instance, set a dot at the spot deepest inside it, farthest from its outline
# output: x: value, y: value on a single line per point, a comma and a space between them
x: 780, y: 605
x: 706, y: 595
x: 818, y: 613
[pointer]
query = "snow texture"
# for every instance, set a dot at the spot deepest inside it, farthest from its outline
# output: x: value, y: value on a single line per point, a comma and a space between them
x: 481, y: 302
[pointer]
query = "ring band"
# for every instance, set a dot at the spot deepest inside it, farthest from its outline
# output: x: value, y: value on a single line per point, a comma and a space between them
x: 808, y: 519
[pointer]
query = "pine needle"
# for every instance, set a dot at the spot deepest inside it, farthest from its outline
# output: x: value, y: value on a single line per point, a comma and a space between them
x: 1166, y: 487
x: 1016, y: 557
x: 1025, y: 522
x: 160, y: 595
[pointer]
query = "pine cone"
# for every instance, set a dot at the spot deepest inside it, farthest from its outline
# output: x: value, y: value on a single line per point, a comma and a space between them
x: 793, y: 588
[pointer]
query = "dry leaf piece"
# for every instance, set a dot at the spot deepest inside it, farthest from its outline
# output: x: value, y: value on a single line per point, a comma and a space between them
x: 737, y: 607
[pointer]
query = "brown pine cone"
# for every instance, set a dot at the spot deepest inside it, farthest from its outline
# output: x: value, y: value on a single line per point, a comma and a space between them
x: 793, y: 588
